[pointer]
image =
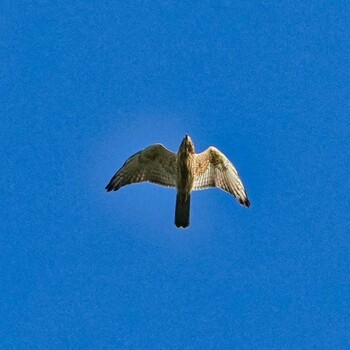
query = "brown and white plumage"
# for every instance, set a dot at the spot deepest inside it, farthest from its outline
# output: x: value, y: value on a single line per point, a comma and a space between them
x: 215, y: 170
x: 154, y: 164
x: 185, y: 170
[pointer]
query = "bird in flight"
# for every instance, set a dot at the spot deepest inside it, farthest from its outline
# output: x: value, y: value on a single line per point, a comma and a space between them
x: 185, y: 170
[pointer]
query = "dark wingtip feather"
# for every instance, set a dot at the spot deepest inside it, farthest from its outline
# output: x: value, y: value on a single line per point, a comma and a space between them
x: 113, y: 186
x: 244, y: 202
x: 110, y: 187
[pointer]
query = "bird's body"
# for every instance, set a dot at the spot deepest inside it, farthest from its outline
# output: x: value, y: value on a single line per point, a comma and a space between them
x: 186, y: 166
x: 186, y: 171
x: 185, y: 174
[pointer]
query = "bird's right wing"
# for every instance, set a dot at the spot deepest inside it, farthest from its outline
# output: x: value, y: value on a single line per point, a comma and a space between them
x: 213, y: 169
x: 154, y: 164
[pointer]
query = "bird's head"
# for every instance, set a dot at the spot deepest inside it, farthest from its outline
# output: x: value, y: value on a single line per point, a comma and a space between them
x: 187, y: 145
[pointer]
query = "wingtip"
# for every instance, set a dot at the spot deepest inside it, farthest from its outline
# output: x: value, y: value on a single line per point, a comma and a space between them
x: 245, y: 202
x: 109, y: 188
x: 112, y: 187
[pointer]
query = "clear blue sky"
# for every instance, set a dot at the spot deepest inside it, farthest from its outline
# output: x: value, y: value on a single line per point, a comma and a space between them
x: 85, y: 84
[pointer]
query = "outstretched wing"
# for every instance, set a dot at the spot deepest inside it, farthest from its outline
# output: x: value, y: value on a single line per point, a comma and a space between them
x: 213, y: 169
x: 154, y: 164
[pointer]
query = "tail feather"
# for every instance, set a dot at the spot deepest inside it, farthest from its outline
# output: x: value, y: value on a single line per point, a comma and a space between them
x: 182, y: 211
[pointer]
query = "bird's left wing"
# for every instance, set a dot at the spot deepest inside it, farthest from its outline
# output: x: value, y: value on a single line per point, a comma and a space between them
x: 213, y: 169
x: 154, y: 164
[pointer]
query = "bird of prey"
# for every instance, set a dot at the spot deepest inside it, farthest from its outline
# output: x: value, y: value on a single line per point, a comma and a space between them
x: 185, y: 170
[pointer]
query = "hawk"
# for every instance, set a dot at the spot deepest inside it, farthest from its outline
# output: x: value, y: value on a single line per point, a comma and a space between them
x: 185, y: 170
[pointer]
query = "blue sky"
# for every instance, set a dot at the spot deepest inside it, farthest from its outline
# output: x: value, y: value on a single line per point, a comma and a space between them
x: 84, y: 85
